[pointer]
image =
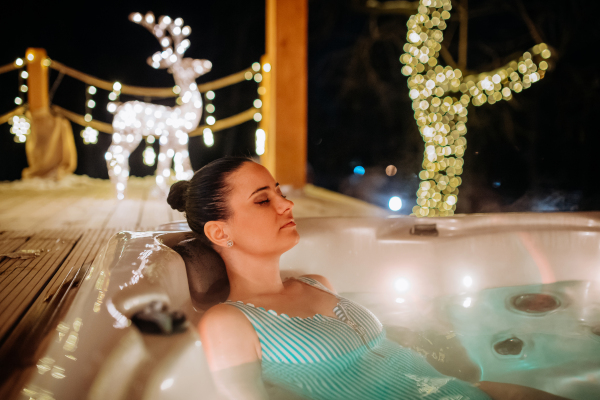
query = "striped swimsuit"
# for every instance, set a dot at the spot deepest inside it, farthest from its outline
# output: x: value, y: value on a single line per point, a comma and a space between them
x: 347, y: 357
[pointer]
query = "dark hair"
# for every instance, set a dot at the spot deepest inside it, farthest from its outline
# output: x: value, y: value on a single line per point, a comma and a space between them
x: 204, y: 197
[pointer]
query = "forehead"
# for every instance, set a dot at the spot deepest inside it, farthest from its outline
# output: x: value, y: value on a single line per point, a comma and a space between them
x: 249, y: 177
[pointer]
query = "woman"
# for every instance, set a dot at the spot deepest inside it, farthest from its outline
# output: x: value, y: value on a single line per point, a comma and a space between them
x: 298, y: 334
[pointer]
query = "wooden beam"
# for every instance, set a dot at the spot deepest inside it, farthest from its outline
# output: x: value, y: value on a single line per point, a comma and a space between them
x: 286, y: 124
x: 38, y: 79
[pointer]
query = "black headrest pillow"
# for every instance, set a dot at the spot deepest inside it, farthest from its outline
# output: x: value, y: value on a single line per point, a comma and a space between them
x: 207, y: 277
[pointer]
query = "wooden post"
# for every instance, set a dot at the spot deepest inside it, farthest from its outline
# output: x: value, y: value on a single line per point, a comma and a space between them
x: 38, y: 79
x: 285, y: 121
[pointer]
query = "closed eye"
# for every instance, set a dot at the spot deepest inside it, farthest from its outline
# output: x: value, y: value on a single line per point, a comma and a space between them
x: 268, y: 201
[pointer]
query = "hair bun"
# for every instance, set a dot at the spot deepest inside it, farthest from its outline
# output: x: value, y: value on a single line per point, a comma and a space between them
x: 178, y: 195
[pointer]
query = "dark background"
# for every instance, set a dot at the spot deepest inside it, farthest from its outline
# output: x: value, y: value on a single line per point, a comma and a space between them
x: 537, y: 152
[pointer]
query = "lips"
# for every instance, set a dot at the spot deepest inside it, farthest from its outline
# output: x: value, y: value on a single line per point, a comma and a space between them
x: 289, y: 224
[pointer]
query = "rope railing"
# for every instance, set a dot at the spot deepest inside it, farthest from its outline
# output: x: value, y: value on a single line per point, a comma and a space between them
x: 136, y: 91
x: 17, y: 111
x: 107, y: 128
x: 9, y: 67
x: 146, y: 91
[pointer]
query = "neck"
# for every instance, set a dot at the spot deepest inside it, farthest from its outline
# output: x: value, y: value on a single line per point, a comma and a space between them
x: 251, y: 276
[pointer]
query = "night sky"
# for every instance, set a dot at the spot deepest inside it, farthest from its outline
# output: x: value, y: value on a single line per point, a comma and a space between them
x: 537, y: 152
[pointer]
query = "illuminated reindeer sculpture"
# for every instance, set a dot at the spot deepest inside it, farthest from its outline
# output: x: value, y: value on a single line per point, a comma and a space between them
x: 135, y: 120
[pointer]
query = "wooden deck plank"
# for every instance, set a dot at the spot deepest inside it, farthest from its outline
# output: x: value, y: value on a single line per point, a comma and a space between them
x: 11, y: 269
x: 154, y: 213
x: 25, y: 288
x: 36, y: 242
x: 12, y: 240
x: 30, y: 216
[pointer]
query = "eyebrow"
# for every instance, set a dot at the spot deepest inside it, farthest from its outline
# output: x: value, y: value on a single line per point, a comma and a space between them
x: 262, y: 188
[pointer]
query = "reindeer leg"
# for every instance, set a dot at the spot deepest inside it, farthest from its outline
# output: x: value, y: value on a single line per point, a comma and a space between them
x: 118, y: 166
x: 182, y: 165
x: 163, y: 168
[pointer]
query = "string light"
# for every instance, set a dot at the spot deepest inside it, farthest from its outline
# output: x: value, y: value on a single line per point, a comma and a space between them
x: 134, y: 120
x: 22, y: 85
x: 149, y: 154
x: 441, y: 96
x: 89, y: 135
x: 260, y: 141
x: 21, y: 127
x: 208, y: 136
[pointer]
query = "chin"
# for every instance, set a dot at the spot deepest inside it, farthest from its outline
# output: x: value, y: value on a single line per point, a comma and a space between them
x: 292, y: 241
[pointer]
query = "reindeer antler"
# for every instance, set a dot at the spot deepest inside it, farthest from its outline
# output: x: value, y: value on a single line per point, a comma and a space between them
x: 170, y: 34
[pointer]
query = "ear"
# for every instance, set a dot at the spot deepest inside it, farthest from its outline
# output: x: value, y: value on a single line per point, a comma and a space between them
x: 215, y: 232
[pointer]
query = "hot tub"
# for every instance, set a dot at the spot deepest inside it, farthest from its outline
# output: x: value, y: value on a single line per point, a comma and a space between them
x: 502, y: 297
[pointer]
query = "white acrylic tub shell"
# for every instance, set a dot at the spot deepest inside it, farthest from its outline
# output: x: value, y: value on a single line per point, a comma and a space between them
x: 97, y: 354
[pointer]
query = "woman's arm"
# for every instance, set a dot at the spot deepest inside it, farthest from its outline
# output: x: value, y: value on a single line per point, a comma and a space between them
x: 232, y: 349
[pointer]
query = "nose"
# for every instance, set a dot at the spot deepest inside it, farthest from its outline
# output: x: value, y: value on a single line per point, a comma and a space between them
x: 284, y: 205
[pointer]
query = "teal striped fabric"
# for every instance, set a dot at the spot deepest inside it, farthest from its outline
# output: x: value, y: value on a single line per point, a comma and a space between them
x: 347, y: 357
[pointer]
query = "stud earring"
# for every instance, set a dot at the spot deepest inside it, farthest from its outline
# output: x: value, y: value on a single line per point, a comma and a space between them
x: 229, y: 243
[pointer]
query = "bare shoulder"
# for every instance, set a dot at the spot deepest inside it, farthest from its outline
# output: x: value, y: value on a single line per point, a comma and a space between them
x: 228, y: 337
x: 322, y: 280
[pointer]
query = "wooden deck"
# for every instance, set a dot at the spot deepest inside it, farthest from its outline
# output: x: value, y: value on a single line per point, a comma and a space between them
x: 68, y: 222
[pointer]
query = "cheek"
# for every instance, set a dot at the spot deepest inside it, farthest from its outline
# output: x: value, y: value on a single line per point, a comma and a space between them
x: 257, y: 225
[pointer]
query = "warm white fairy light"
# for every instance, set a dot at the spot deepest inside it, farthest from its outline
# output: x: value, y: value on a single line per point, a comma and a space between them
x: 257, y: 103
x: 134, y: 120
x: 111, y: 107
x: 210, y: 120
x: 208, y: 136
x: 210, y: 95
x: 24, y: 88
x: 149, y: 155
x: 261, y: 137
x: 89, y: 135
x: 21, y: 127
x: 441, y: 109
x: 24, y: 75
x: 18, y: 101
x: 257, y: 117
x: 19, y: 62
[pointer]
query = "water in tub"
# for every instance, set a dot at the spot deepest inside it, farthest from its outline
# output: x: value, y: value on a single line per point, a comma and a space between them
x: 542, y: 336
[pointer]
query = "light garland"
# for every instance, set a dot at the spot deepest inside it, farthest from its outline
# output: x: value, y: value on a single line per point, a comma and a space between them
x: 21, y: 128
x: 442, y: 118
x: 23, y: 88
x: 134, y: 119
x: 89, y: 134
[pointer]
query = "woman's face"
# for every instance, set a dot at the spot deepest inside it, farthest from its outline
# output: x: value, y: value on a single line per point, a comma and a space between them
x: 260, y: 223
